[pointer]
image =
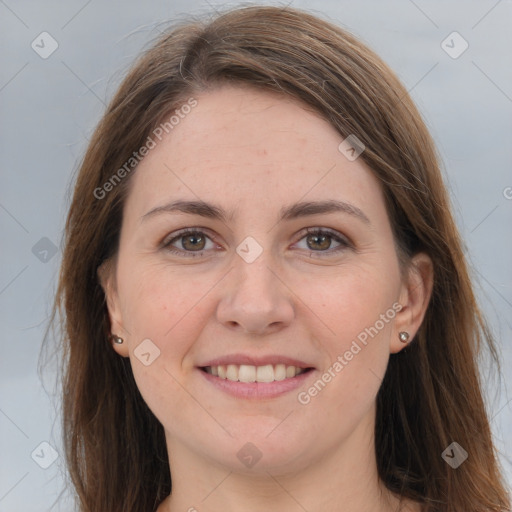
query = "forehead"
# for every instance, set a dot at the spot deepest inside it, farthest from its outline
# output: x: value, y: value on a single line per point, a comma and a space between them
x: 253, y: 148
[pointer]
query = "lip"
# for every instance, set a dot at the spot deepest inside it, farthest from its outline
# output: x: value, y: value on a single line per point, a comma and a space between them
x: 257, y: 390
x: 239, y: 359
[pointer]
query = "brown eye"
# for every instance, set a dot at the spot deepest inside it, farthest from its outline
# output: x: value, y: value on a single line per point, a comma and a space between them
x: 193, y: 242
x: 321, y: 240
x: 188, y: 243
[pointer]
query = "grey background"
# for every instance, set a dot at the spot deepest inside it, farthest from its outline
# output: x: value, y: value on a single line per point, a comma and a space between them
x: 49, y: 108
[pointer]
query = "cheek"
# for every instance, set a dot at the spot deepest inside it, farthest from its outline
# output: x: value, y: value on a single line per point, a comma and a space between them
x: 166, y: 308
x: 161, y: 389
x: 159, y: 300
x: 351, y: 301
x: 357, y: 308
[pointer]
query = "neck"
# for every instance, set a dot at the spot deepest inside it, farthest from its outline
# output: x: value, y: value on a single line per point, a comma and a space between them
x: 345, y: 476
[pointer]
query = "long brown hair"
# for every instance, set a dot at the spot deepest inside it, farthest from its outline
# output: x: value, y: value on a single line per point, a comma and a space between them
x: 431, y: 394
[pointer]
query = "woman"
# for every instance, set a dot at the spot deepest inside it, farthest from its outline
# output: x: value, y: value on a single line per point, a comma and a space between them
x: 265, y: 298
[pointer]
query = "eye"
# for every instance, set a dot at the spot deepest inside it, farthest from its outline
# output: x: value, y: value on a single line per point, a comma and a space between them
x: 192, y: 241
x: 320, y: 240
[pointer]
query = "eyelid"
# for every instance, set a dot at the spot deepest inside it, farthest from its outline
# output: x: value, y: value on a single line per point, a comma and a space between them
x: 189, y: 230
x: 327, y: 231
x: 344, y: 241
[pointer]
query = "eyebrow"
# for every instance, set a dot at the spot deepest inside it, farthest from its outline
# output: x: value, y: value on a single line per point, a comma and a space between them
x: 294, y: 211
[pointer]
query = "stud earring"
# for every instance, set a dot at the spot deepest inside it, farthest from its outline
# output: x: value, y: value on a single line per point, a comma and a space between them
x: 116, y: 339
x: 404, y: 336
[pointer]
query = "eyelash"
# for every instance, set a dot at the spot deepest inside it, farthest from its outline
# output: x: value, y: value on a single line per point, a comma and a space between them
x: 345, y: 244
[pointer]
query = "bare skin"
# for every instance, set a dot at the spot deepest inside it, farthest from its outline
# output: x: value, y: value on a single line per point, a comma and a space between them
x: 306, y: 296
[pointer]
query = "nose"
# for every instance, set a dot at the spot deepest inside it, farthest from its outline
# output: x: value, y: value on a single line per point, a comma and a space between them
x: 256, y: 299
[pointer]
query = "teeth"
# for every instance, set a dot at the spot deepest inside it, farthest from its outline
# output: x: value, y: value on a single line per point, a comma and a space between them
x: 280, y: 371
x: 232, y: 372
x: 249, y: 373
x: 265, y: 373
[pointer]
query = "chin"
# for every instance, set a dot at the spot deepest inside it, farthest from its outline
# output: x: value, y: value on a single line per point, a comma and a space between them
x: 257, y: 447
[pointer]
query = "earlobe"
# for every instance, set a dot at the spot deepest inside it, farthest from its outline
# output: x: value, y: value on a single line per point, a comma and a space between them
x: 106, y: 278
x: 414, y: 298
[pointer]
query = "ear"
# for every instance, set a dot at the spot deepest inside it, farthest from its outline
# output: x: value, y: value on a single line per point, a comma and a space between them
x: 414, y: 298
x: 107, y: 278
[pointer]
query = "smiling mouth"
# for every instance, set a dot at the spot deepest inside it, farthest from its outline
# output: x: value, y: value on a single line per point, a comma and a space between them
x: 249, y: 373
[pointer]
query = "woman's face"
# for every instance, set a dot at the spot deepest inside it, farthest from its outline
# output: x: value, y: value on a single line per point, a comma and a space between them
x: 251, y: 288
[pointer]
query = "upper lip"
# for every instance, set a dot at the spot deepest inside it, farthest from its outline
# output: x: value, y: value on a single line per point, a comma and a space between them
x: 245, y: 359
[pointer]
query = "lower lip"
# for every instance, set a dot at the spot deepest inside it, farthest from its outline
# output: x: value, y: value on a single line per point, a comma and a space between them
x: 257, y: 390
